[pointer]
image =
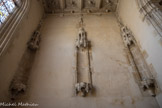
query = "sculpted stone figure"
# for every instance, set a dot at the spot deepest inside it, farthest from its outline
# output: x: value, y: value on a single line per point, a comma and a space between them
x: 82, y: 39
x: 127, y: 36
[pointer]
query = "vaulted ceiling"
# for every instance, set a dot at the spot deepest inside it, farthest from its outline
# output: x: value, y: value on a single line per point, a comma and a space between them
x: 77, y: 6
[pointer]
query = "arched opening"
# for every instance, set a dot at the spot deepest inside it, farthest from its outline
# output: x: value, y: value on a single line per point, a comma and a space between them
x: 12, y: 11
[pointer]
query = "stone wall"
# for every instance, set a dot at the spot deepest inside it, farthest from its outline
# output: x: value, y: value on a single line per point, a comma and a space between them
x: 148, y: 39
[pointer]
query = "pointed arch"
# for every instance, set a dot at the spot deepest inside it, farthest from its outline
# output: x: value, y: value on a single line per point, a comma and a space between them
x: 11, y: 23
